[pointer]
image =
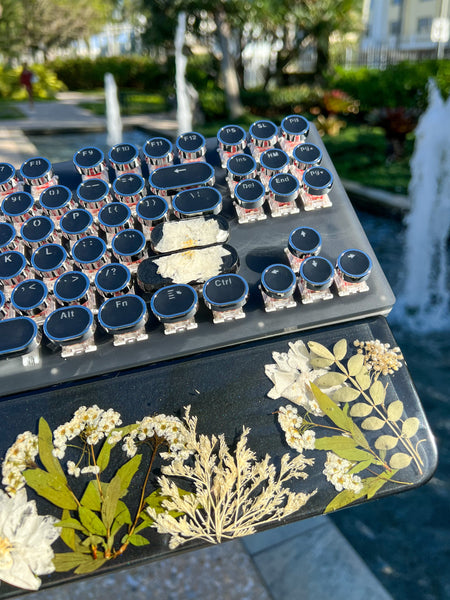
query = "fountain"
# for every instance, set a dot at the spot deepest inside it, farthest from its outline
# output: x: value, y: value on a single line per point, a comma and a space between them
x: 184, y: 113
x: 424, y: 302
x: 113, y: 120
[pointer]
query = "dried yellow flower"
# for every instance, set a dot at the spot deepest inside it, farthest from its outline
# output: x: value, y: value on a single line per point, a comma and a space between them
x: 379, y: 357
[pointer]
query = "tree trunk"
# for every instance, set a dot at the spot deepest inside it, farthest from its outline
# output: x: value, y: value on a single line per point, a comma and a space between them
x: 229, y: 74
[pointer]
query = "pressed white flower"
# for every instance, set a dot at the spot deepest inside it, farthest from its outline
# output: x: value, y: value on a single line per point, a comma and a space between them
x: 336, y: 471
x: 18, y: 457
x: 292, y: 375
x: 25, y: 541
x: 114, y: 437
x: 94, y: 469
x: 72, y: 468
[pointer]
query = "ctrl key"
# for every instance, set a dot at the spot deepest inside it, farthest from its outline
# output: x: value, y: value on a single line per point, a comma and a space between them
x: 20, y: 336
x: 71, y: 329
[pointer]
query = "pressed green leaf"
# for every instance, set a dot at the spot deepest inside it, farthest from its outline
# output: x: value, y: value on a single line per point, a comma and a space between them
x: 343, y: 499
x: 122, y: 517
x: 334, y: 442
x: 376, y: 483
x: 137, y: 540
x: 340, y: 349
x: 360, y: 467
x: 361, y: 409
x: 93, y: 540
x: 45, y: 444
x: 104, y: 455
x: 320, y: 350
x: 331, y: 409
x: 363, y: 379
x: 318, y: 362
x: 51, y: 487
x: 127, y: 472
x: 345, y: 394
x: 386, y: 442
x: 69, y: 560
x: 68, y: 535
x: 373, y: 423
x: 110, y: 500
x: 358, y: 435
x: 355, y: 364
x: 91, y: 521
x: 330, y: 379
x: 71, y: 523
x: 377, y: 392
x: 395, y: 410
x: 91, y: 497
x: 91, y: 566
x: 410, y: 427
x: 400, y: 460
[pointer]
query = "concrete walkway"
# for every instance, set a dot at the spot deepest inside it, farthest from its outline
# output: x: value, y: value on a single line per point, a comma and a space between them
x: 308, y: 560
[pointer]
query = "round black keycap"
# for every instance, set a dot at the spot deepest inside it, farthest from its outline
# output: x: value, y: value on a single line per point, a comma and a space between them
x: 284, y: 187
x: 88, y: 158
x: 12, y: 265
x: 263, y: 131
x: 55, y: 199
x: 123, y: 154
x: 48, y: 258
x: 29, y: 295
x: 37, y: 229
x: 18, y: 335
x: 174, y: 303
x: 88, y: 251
x: 190, y: 142
x: 354, y: 265
x: 306, y: 155
x: 294, y: 127
x: 17, y: 205
x: 69, y: 324
x: 71, y: 287
x: 112, y: 279
x: 36, y: 170
x: 278, y: 281
x: 114, y: 216
x: 317, y: 181
x: 128, y: 245
x: 158, y: 149
x: 225, y: 292
x: 7, y: 235
x: 273, y: 160
x: 241, y: 166
x: 129, y: 185
x: 93, y: 192
x: 317, y: 272
x: 198, y: 201
x: 304, y: 241
x: 250, y: 193
x: 76, y: 222
x: 151, y: 210
x: 8, y: 177
x: 121, y: 313
x: 231, y: 138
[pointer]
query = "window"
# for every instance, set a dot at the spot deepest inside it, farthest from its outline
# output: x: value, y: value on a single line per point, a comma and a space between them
x: 424, y: 25
x: 394, y: 27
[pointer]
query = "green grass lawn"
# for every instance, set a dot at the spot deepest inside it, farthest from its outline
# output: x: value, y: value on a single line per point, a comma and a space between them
x: 132, y: 103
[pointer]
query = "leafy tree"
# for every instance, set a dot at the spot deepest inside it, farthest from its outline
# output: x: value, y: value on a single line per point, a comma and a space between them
x: 33, y: 25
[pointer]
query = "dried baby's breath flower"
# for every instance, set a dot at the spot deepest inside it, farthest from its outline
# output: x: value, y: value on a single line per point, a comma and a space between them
x: 379, y: 357
x: 19, y: 456
x: 233, y: 493
x: 292, y: 375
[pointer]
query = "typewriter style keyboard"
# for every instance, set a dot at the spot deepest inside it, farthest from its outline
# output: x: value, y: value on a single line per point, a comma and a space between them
x: 150, y: 254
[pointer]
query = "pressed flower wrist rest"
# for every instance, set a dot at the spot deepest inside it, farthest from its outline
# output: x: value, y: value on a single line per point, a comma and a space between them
x: 113, y: 471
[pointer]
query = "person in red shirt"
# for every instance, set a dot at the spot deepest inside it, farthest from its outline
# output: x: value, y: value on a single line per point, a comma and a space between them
x: 26, y: 79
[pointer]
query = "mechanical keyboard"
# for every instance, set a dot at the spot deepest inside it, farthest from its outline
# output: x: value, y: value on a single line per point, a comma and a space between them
x: 176, y: 248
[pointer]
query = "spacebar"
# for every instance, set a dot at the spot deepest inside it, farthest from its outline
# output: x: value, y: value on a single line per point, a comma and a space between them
x: 178, y: 177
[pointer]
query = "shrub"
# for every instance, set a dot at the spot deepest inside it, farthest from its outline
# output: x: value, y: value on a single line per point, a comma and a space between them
x: 46, y: 86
